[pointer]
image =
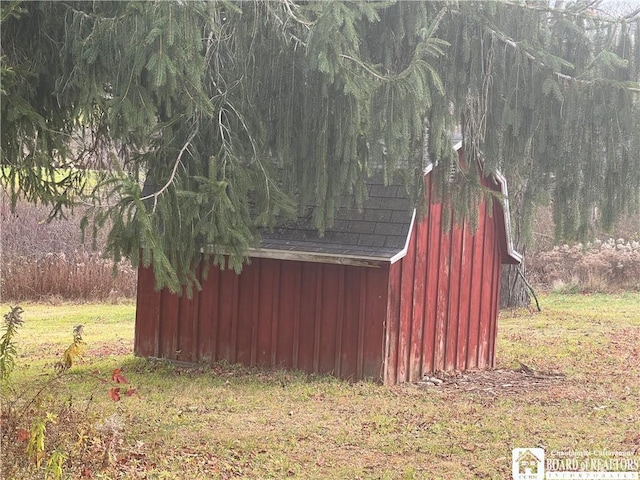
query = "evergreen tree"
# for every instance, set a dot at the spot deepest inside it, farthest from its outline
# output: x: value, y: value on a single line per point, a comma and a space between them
x: 190, y: 125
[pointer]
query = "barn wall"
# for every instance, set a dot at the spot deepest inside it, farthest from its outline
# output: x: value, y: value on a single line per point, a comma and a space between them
x: 281, y: 314
x: 443, y: 297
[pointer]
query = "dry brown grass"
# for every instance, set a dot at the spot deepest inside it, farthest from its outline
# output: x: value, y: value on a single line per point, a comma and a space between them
x: 49, y: 261
x: 606, y: 267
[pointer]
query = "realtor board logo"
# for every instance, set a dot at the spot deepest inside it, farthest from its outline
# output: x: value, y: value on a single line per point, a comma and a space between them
x: 528, y: 463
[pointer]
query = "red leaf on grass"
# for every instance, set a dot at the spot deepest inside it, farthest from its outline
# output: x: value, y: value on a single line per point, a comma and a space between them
x: 117, y: 377
x: 130, y: 392
x: 114, y: 393
x: 86, y: 473
x: 23, y: 435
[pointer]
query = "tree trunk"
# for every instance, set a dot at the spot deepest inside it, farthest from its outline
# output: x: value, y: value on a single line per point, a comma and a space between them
x: 514, y: 292
x: 514, y: 289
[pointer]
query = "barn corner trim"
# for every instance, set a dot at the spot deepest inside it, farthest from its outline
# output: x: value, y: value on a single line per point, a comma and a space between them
x: 402, y: 253
x: 513, y: 256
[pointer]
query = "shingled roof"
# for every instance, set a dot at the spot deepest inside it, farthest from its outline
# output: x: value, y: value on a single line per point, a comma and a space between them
x: 376, y: 232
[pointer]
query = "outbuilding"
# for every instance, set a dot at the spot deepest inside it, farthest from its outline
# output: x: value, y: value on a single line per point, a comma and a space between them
x: 385, y: 294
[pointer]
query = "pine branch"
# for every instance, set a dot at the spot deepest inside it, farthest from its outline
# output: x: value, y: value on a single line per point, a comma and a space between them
x: 586, y: 12
x: 290, y: 7
x: 172, y: 177
x: 370, y: 70
x: 513, y: 44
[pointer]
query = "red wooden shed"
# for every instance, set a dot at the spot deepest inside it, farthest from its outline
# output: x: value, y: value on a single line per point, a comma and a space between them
x: 383, y: 295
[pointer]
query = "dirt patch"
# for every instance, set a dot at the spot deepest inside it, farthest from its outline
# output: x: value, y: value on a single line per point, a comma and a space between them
x: 493, y: 382
x: 105, y: 349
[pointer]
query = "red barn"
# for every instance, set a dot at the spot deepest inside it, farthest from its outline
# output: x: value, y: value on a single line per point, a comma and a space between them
x: 383, y: 295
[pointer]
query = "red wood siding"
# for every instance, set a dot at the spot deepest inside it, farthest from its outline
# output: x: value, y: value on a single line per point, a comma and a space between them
x: 278, y: 314
x: 443, y: 297
x: 433, y: 310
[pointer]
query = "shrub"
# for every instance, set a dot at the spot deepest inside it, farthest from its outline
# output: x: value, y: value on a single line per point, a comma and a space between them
x: 599, y: 266
x: 8, y: 353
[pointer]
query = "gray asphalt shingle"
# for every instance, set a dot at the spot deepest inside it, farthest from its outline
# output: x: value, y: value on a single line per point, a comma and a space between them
x: 378, y: 230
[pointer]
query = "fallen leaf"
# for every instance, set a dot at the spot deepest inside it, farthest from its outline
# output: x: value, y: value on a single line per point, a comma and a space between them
x: 114, y: 393
x: 117, y: 377
x: 23, y: 435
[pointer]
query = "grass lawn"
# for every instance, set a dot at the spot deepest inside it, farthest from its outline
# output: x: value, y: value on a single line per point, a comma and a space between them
x: 579, y: 389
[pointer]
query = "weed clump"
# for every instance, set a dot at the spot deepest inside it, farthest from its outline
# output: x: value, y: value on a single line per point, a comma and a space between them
x: 45, y: 434
x: 12, y: 322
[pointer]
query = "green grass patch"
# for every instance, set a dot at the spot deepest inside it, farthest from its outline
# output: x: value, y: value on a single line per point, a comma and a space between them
x: 225, y: 421
x: 48, y: 329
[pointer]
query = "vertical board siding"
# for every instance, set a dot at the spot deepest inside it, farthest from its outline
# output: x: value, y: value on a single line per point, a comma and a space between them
x: 485, y: 322
x: 226, y: 302
x: 372, y: 328
x: 348, y: 359
x: 443, y: 295
x: 288, y: 311
x: 265, y: 298
x: 185, y: 328
x: 392, y: 324
x: 433, y: 310
x: 477, y: 284
x: 495, y: 301
x: 147, y: 333
x: 213, y: 290
x: 169, y: 308
x: 328, y: 316
x: 204, y: 342
x: 454, y: 317
x: 464, y: 305
x: 245, y: 338
x: 416, y: 349
x: 497, y: 269
x: 277, y: 314
x: 434, y: 219
x: 307, y: 328
x: 406, y: 325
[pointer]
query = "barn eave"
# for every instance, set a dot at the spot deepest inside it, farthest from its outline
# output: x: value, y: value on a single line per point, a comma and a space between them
x: 512, y: 256
x: 334, y: 254
x: 320, y: 257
